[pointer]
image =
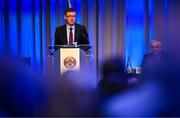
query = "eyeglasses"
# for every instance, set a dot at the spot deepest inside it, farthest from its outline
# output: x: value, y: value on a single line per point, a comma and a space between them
x: 71, y: 16
x: 155, y: 46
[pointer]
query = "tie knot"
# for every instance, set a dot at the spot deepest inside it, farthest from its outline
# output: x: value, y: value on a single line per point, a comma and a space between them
x: 71, y: 29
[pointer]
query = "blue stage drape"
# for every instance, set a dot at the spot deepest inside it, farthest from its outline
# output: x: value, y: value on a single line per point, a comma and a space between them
x: 116, y: 27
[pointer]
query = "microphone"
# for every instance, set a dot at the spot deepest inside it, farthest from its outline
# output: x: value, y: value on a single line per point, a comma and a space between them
x: 69, y: 4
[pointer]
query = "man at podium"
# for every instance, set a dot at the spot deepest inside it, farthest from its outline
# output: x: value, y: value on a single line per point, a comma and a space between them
x: 71, y: 33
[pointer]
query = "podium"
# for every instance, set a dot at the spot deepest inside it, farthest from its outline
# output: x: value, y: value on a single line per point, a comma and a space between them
x: 67, y: 57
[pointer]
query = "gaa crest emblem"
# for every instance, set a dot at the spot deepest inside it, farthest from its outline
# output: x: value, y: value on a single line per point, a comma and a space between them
x: 69, y: 62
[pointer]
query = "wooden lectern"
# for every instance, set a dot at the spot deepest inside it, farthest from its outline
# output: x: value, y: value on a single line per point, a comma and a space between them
x: 70, y: 58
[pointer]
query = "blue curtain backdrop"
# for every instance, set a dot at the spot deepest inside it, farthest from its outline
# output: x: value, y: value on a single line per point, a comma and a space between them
x: 116, y: 27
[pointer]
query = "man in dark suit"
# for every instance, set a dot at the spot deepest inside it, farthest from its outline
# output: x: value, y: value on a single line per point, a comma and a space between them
x: 155, y: 55
x: 154, y: 61
x: 71, y: 32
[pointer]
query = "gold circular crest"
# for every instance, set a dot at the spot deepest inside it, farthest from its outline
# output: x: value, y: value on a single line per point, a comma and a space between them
x: 69, y: 62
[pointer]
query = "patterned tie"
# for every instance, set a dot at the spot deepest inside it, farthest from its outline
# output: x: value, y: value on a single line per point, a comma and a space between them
x: 70, y: 36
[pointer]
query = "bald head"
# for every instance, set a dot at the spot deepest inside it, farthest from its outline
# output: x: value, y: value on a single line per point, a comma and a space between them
x: 156, y: 47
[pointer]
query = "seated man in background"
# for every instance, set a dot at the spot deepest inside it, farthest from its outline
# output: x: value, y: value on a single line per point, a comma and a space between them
x: 153, y: 60
x: 156, y: 53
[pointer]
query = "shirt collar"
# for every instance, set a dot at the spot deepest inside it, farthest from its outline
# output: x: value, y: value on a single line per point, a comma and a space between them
x: 68, y: 26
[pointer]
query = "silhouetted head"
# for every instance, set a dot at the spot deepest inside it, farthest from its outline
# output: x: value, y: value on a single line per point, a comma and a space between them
x: 113, y: 65
x: 114, y: 78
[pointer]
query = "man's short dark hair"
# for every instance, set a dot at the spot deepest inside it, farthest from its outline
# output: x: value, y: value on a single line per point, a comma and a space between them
x: 69, y: 10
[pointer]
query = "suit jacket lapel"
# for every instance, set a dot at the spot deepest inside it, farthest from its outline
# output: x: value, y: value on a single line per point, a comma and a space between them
x: 76, y: 34
x: 65, y: 34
